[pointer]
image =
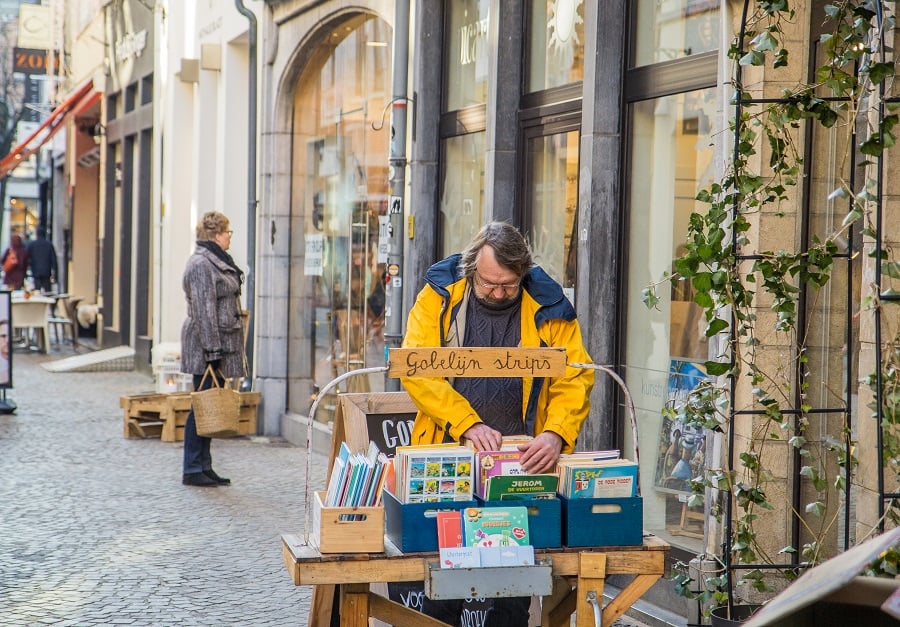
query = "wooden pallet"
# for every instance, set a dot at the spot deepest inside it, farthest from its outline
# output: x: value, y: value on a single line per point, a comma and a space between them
x: 163, y: 415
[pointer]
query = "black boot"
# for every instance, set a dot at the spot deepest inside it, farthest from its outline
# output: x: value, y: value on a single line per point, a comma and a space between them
x: 198, y: 479
x: 219, y: 480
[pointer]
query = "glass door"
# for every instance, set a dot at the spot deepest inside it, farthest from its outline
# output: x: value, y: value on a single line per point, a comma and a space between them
x: 551, y: 199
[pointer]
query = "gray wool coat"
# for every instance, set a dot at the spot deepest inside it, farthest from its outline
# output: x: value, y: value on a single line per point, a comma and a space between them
x: 213, y: 329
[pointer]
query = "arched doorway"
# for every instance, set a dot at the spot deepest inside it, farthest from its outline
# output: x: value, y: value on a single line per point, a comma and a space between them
x: 339, y: 190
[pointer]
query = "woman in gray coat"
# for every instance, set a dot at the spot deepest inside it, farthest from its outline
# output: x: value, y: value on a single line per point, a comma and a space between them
x: 212, y: 333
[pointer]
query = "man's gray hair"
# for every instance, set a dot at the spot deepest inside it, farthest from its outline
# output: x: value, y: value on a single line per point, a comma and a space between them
x: 510, y: 249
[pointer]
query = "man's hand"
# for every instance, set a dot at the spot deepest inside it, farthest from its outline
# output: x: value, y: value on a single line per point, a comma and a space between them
x: 541, y: 454
x: 483, y: 438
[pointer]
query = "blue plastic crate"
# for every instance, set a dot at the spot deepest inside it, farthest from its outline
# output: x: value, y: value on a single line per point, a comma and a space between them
x: 412, y: 527
x: 603, y: 522
x: 544, y: 519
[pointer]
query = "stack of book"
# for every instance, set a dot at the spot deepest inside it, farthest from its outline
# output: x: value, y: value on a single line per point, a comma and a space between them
x: 433, y: 473
x: 356, y: 478
x: 594, y: 474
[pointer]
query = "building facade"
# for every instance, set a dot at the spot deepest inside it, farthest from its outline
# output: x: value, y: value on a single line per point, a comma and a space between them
x: 591, y: 126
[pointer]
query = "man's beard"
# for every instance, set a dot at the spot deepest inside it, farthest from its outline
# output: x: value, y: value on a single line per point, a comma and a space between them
x: 498, y: 303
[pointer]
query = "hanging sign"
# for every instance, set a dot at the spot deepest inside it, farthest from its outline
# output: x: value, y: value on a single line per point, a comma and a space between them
x: 315, y: 254
x: 477, y: 362
x: 384, y: 238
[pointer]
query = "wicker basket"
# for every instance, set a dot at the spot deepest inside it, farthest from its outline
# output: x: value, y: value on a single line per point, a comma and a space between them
x: 217, y: 410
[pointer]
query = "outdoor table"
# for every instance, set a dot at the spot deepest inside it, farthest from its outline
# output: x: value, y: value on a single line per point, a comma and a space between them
x: 573, y: 569
x: 33, y: 314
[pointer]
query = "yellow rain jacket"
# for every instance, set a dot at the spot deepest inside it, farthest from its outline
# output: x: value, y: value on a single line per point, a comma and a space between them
x: 558, y: 404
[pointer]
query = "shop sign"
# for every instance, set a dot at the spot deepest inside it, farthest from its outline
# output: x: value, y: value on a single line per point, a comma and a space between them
x: 33, y: 61
x: 384, y: 238
x: 472, y: 36
x: 313, y: 260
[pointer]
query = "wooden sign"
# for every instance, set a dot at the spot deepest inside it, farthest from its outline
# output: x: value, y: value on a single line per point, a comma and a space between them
x: 477, y: 362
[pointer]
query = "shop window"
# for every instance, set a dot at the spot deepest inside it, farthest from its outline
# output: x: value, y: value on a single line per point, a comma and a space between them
x: 555, y: 48
x: 462, y: 190
x: 671, y: 159
x: 466, y: 53
x: 339, y: 195
x: 673, y: 29
x: 552, y: 201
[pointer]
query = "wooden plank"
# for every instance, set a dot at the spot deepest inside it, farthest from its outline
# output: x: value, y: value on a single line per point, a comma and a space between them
x: 591, y: 579
x: 394, y: 613
x: 477, y: 362
x: 618, y: 562
x: 355, y: 605
x: 627, y: 596
x: 557, y: 608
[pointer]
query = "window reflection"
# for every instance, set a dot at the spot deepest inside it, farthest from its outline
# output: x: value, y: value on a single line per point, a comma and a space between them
x: 552, y: 191
x: 462, y: 190
x: 339, y: 195
x: 672, y: 158
x: 672, y: 29
x: 556, y: 50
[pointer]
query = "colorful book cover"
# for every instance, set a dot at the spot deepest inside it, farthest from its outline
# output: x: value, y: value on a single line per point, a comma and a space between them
x: 497, y: 463
x: 495, y: 526
x: 602, y: 481
x: 435, y: 474
x: 507, y: 487
x: 449, y: 529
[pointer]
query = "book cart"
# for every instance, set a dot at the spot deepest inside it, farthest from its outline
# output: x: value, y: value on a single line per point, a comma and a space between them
x: 569, y: 579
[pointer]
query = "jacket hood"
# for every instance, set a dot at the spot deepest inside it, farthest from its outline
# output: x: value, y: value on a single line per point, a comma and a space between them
x: 544, y: 290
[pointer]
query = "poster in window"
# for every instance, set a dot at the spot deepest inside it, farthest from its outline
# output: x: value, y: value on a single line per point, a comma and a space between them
x: 680, y: 449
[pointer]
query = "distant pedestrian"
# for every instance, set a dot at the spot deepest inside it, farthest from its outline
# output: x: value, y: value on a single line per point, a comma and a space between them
x: 212, y: 334
x: 4, y: 352
x: 42, y: 259
x: 15, y: 263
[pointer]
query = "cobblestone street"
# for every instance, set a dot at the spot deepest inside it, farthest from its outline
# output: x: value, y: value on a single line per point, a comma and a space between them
x: 98, y: 530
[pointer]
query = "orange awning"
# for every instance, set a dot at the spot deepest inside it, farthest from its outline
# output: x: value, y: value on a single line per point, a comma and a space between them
x: 48, y: 128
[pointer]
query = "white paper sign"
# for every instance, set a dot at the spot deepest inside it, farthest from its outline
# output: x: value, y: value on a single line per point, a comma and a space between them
x: 384, y: 238
x: 315, y: 253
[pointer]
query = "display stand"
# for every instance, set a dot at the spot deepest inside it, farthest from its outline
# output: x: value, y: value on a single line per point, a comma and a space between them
x: 342, y: 581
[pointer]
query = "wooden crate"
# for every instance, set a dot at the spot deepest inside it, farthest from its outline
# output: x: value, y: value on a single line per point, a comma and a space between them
x: 164, y: 415
x: 346, y: 529
x: 144, y: 415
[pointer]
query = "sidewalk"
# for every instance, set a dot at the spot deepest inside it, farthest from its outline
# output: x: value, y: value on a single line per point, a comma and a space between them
x: 98, y: 530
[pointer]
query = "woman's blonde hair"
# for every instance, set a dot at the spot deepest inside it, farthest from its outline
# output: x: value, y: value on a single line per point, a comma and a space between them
x: 211, y: 224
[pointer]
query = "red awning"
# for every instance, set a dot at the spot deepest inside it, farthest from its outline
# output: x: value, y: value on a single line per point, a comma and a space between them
x: 48, y: 128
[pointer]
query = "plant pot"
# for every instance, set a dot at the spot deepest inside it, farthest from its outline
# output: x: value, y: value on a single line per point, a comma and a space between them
x: 739, y: 613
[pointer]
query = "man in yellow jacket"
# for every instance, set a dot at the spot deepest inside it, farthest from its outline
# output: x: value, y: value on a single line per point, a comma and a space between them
x: 492, y: 294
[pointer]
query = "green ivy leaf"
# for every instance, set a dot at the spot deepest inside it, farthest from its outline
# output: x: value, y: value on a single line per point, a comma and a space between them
x: 717, y: 325
x: 649, y: 297
x: 754, y: 57
x: 716, y: 368
x: 816, y: 507
x: 880, y: 71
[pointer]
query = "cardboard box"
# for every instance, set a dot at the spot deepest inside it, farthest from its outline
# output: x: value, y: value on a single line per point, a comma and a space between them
x: 603, y: 522
x: 412, y: 527
x: 544, y: 519
x: 346, y: 529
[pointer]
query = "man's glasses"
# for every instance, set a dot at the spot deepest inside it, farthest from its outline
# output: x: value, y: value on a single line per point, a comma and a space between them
x: 490, y: 287
x: 230, y: 232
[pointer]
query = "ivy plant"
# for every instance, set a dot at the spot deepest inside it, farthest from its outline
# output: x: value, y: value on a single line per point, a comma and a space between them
x: 732, y: 279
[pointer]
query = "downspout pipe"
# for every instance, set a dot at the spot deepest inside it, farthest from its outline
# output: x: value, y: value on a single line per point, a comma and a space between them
x: 251, y: 181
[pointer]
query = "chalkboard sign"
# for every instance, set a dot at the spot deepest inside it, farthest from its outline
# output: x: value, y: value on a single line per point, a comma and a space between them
x: 385, y: 418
